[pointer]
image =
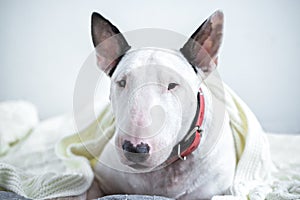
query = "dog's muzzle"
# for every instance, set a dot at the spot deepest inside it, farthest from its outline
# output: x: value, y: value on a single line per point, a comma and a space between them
x: 136, y: 154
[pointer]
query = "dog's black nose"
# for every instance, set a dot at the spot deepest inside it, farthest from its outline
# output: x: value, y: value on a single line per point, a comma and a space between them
x: 137, y: 154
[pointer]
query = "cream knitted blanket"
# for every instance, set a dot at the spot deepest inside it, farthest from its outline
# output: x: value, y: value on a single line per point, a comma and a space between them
x: 46, y: 160
x: 40, y: 160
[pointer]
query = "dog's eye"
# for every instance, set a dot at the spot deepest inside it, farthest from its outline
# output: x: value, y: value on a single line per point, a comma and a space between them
x: 172, y: 86
x: 122, y: 83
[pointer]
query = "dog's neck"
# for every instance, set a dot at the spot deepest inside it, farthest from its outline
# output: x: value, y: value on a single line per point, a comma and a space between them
x: 192, y: 139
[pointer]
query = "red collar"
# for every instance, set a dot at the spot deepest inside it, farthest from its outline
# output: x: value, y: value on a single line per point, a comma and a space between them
x: 192, y: 139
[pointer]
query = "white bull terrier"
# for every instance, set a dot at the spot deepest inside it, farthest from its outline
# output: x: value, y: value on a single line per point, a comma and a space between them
x: 162, y: 115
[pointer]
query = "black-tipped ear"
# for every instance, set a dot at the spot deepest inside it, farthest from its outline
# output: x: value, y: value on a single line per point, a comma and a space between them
x: 110, y: 44
x: 201, y: 50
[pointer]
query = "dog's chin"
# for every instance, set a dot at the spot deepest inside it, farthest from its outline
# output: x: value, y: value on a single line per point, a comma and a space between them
x: 139, y: 167
x: 142, y: 167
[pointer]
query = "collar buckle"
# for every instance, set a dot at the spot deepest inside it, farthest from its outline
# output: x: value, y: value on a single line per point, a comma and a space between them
x: 197, y: 128
x: 179, y: 154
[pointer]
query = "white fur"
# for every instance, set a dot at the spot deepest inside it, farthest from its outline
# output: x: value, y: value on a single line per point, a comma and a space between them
x: 207, y: 171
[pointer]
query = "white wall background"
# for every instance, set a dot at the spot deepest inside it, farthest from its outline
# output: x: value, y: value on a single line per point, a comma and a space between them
x: 44, y: 43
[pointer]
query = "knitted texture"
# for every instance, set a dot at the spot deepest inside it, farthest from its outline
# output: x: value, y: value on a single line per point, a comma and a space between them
x: 257, y: 177
x: 45, y: 164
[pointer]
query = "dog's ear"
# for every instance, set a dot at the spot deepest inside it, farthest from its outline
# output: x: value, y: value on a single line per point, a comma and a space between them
x: 202, y: 47
x: 110, y: 44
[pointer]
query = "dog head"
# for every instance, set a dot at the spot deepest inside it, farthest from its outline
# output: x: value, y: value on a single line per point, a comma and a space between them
x: 154, y: 91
